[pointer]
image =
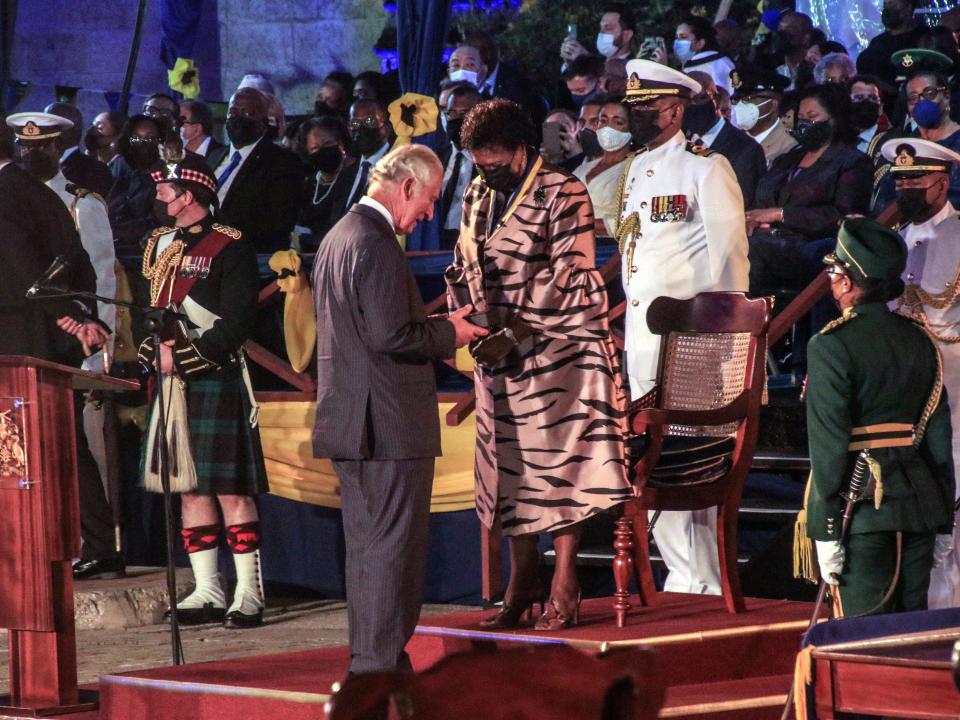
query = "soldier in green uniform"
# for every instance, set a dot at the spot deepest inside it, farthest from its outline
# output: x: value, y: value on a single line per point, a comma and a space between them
x: 875, y: 382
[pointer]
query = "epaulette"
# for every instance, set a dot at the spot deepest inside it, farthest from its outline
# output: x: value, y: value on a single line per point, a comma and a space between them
x: 699, y: 149
x: 227, y: 230
x: 848, y: 315
x: 81, y: 193
x: 162, y: 230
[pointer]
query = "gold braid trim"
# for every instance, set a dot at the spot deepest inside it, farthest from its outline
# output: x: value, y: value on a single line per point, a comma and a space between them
x: 621, y: 189
x: 934, y: 400
x: 164, y: 267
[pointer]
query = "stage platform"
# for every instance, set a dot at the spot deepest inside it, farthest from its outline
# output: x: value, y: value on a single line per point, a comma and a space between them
x: 718, y: 666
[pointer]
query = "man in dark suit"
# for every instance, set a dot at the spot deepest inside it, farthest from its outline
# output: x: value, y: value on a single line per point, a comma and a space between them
x: 84, y: 171
x: 261, y: 184
x: 376, y: 401
x: 704, y: 124
x: 505, y: 80
x: 458, y: 169
x: 196, y: 130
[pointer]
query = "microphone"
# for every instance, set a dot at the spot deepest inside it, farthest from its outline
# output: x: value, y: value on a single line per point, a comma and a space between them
x: 56, y: 267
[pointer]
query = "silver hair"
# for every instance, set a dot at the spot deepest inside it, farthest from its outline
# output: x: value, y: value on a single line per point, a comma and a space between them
x: 416, y: 161
x: 830, y: 60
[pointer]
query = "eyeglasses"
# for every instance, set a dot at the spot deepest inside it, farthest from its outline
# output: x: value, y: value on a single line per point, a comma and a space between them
x: 372, y: 122
x: 138, y: 140
x: 929, y: 93
x: 860, y: 97
x: 836, y: 271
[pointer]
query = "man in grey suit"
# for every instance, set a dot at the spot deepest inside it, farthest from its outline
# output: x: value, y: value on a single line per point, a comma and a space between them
x: 377, y: 413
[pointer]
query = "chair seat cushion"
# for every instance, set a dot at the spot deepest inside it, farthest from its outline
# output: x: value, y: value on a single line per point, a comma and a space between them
x: 686, y: 460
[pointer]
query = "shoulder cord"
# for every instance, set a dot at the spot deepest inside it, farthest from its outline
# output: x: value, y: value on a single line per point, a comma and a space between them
x: 163, y: 268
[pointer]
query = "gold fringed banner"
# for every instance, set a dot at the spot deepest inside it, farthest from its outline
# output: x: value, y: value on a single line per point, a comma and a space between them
x: 293, y: 472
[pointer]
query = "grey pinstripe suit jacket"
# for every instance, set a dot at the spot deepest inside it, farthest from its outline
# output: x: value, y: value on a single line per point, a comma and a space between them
x: 376, y: 391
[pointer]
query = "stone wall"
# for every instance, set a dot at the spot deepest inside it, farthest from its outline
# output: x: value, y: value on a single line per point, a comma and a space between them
x: 294, y: 42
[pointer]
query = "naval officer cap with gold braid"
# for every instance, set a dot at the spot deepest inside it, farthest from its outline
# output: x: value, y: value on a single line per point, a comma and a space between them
x: 648, y: 80
x: 37, y: 125
x: 867, y: 249
x: 913, y: 157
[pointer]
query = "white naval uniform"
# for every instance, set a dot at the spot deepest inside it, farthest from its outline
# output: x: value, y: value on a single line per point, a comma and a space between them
x: 933, y: 259
x: 701, y: 246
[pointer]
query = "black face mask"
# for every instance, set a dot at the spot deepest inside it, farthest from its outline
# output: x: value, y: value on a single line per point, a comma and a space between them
x: 589, y: 143
x: 325, y: 159
x: 366, y: 141
x: 865, y: 114
x: 501, y: 178
x: 812, y: 135
x: 453, y: 132
x: 161, y: 213
x: 40, y: 165
x: 144, y: 155
x: 891, y: 19
x: 912, y: 203
x: 643, y: 126
x: 242, y: 131
x: 700, y: 117
x: 785, y: 42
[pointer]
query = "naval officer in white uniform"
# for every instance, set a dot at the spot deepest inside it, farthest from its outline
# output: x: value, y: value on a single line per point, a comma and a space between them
x: 682, y: 232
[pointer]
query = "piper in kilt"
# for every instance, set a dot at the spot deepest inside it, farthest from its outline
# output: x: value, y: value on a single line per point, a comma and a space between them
x: 208, y: 272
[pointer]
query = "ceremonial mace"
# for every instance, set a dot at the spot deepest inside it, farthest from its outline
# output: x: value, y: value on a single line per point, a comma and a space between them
x: 854, y: 494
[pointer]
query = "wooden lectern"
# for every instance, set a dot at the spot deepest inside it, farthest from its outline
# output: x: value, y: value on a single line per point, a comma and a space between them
x: 40, y: 532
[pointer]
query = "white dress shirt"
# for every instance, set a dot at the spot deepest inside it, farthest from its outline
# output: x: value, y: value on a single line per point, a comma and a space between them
x: 863, y: 141
x: 452, y: 221
x: 373, y: 160
x: 379, y: 207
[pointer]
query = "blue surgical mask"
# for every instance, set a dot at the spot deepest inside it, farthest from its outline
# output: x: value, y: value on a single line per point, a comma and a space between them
x: 926, y: 113
x: 682, y: 49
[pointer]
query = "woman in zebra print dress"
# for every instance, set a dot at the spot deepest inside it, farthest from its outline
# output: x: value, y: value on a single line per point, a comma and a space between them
x: 550, y: 418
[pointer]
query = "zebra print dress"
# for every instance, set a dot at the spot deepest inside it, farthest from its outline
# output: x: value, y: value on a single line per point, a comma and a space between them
x: 550, y: 425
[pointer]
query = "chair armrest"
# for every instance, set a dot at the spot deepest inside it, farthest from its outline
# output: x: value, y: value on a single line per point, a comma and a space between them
x: 733, y: 412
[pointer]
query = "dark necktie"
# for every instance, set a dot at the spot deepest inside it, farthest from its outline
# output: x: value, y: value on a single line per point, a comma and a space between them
x: 362, y: 185
x: 450, y: 191
x: 228, y: 170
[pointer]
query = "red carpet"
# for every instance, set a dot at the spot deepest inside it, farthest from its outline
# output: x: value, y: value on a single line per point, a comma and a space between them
x: 719, y: 666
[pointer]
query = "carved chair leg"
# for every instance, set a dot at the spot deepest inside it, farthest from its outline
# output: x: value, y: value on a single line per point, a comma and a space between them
x: 622, y: 566
x: 727, y: 549
x: 642, y: 569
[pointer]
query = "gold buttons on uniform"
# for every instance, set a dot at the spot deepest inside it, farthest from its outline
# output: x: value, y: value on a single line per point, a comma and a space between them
x: 649, y: 173
x: 919, y: 243
x: 633, y: 268
x: 643, y: 204
x: 634, y: 302
x: 909, y: 276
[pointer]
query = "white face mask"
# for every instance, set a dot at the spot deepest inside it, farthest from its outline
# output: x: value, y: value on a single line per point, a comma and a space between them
x: 468, y: 75
x: 605, y: 45
x: 611, y: 139
x: 746, y: 115
x: 682, y: 49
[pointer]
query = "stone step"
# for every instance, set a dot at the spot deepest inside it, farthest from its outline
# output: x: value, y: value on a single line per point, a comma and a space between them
x: 138, y: 600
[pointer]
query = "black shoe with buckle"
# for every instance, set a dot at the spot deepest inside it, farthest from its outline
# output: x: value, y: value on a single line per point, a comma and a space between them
x: 101, y: 569
x: 237, y: 620
x: 206, y: 615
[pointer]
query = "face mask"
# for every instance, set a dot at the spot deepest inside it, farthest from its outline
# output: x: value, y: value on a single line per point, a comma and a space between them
x: 40, y: 165
x: 161, y: 213
x: 465, y: 75
x: 589, y: 141
x: 501, y: 178
x: 366, y: 141
x: 787, y: 42
x: 644, y: 125
x: 606, y: 45
x: 612, y: 139
x: 912, y: 203
x: 926, y: 113
x: 242, y: 131
x: 453, y: 132
x: 682, y: 49
x: 700, y: 117
x: 325, y: 159
x: 891, y: 19
x: 144, y: 155
x: 812, y: 135
x: 865, y: 114
x: 745, y: 115
x: 579, y: 100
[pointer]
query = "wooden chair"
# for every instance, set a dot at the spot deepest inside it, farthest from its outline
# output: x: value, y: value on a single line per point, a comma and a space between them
x: 527, y: 683
x: 700, y: 432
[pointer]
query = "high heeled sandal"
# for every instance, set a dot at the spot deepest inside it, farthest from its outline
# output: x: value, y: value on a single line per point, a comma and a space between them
x: 556, y: 618
x: 513, y: 614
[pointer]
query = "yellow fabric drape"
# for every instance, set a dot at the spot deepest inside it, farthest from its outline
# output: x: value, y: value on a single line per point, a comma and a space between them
x: 411, y: 116
x: 293, y: 472
x: 184, y: 78
x: 299, y: 314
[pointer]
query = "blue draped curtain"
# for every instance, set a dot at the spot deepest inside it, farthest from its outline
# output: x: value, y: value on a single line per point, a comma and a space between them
x: 421, y: 29
x: 179, y: 20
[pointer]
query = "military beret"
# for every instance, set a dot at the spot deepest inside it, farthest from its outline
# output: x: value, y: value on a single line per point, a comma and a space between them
x: 192, y: 169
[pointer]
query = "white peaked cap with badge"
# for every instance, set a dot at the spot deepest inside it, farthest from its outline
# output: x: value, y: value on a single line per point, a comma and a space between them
x: 914, y: 157
x: 37, y: 125
x: 648, y: 80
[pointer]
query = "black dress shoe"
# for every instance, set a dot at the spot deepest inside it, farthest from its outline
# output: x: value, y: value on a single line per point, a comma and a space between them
x: 241, y: 621
x: 205, y: 615
x: 103, y: 569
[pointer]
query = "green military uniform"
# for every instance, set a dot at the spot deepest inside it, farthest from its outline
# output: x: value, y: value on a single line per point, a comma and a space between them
x: 875, y: 382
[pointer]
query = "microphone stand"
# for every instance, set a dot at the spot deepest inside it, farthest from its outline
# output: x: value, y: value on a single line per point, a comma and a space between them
x: 155, y: 319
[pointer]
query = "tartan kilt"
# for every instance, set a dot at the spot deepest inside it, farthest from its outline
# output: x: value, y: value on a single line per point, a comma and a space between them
x: 226, y: 450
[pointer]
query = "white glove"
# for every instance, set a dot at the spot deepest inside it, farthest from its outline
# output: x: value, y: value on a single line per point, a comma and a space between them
x: 830, y: 556
x: 942, y: 547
